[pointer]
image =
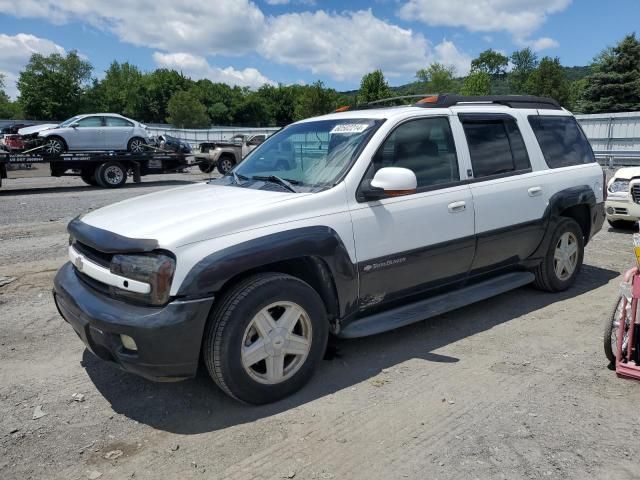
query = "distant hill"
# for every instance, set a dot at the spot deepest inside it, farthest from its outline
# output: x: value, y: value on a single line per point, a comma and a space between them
x: 498, y: 86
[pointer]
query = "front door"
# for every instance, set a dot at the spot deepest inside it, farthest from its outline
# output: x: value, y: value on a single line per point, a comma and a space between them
x: 409, y: 244
x: 88, y: 135
x: 117, y: 133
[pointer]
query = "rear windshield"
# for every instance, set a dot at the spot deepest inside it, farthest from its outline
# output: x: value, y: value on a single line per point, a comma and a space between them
x: 562, y: 141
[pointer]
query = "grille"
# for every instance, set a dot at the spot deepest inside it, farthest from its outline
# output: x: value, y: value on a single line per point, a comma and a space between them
x: 96, y: 256
x: 635, y: 193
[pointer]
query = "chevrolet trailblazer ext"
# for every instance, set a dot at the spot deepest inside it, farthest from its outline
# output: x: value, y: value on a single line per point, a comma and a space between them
x: 350, y: 224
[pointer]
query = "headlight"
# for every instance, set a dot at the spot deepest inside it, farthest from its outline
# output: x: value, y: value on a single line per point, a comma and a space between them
x: 156, y: 269
x: 619, y: 186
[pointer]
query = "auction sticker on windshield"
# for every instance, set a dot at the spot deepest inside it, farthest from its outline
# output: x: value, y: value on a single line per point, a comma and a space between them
x: 350, y: 128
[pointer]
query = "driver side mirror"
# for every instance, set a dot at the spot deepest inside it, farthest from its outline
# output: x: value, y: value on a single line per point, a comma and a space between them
x: 74, y: 125
x: 390, y: 182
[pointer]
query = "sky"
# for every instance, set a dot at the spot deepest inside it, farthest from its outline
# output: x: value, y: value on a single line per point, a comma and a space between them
x: 249, y: 43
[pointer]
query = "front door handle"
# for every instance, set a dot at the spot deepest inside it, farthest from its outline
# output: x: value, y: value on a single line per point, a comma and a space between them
x: 457, y: 206
x: 535, y: 191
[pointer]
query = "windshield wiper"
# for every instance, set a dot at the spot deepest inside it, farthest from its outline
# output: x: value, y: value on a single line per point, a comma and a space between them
x: 286, y: 183
x: 237, y: 177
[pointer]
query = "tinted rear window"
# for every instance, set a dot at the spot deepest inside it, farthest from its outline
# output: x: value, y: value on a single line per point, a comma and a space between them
x: 562, y: 141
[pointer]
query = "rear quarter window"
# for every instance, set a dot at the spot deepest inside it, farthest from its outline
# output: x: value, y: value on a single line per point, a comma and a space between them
x: 562, y: 141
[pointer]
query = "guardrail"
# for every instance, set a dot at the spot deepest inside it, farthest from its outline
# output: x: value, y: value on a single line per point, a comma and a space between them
x: 614, y: 137
x: 197, y: 136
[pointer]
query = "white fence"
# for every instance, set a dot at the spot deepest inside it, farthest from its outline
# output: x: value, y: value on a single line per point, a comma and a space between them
x: 614, y: 137
x: 197, y: 136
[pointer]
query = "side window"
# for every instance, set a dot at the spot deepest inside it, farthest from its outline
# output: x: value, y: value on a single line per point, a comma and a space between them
x: 90, y: 122
x: 425, y: 146
x: 495, y: 145
x: 561, y: 140
x: 117, y: 122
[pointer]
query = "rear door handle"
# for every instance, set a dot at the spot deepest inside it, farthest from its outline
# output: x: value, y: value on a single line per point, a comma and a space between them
x: 457, y: 206
x: 535, y: 191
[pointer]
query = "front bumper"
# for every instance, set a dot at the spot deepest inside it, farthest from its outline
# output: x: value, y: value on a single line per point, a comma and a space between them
x: 622, y: 208
x: 168, y: 339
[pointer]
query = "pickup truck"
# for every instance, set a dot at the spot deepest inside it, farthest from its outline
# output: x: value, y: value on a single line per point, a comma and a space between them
x: 225, y: 155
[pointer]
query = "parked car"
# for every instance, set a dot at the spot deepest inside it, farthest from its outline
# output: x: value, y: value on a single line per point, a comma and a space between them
x: 98, y: 131
x: 622, y: 207
x: 172, y: 144
x: 226, y: 155
x: 350, y: 224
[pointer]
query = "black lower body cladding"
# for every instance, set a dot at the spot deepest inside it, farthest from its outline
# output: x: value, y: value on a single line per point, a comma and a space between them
x: 168, y: 339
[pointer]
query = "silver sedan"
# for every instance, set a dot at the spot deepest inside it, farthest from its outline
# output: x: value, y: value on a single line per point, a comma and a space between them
x: 97, y: 131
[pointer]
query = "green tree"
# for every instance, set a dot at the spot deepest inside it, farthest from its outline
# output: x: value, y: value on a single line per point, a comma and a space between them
x: 576, y: 95
x: 491, y: 62
x: 251, y: 111
x: 158, y: 87
x: 186, y: 111
x: 6, y: 109
x: 373, y: 87
x: 477, y: 83
x: 315, y: 100
x: 549, y: 80
x: 280, y: 102
x: 614, y: 85
x: 52, y: 87
x: 439, y: 78
x: 120, y: 91
x: 524, y: 62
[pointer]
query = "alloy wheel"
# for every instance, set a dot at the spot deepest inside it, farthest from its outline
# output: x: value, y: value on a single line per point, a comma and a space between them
x: 565, y: 257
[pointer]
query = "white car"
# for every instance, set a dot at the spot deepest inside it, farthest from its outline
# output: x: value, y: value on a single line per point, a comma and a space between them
x: 96, y: 131
x: 350, y: 224
x: 623, y: 200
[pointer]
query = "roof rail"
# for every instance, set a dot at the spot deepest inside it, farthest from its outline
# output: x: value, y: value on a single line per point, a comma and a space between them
x: 401, y: 97
x: 513, y: 101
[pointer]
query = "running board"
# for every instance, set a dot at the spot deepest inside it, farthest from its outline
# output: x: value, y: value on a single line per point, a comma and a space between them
x: 433, y: 306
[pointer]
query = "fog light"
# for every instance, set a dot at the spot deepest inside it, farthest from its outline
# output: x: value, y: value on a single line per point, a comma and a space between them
x: 610, y: 210
x: 128, y: 342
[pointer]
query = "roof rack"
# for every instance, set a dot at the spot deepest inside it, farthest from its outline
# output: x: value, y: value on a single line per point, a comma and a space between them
x: 447, y: 100
x: 513, y: 101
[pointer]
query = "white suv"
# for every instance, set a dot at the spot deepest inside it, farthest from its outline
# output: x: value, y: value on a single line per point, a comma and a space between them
x: 350, y: 224
x: 623, y: 202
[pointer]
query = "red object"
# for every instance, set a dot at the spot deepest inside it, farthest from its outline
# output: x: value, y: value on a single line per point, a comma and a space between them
x: 625, y: 365
x: 14, y: 142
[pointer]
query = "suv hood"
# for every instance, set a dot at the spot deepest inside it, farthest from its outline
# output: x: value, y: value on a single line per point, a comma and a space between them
x: 189, y: 214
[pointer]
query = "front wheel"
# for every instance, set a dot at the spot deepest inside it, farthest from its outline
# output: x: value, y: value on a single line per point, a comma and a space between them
x: 205, y: 167
x: 54, y: 146
x: 89, y: 177
x: 225, y: 165
x: 562, y: 262
x: 266, y: 338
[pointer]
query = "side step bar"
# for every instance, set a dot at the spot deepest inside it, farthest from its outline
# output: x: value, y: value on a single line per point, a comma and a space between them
x: 433, y: 306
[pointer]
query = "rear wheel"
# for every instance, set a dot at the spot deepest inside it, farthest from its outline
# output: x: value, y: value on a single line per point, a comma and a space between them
x: 111, y: 175
x: 622, y: 224
x: 559, y: 268
x: 205, y: 167
x: 55, y: 146
x: 611, y: 328
x: 136, y: 145
x: 265, y: 338
x: 89, y: 177
x: 225, y: 164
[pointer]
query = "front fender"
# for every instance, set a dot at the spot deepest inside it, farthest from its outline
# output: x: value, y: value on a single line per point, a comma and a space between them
x: 209, y: 275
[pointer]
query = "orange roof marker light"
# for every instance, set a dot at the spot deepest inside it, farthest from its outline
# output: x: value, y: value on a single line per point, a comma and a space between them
x: 431, y: 99
x: 342, y: 109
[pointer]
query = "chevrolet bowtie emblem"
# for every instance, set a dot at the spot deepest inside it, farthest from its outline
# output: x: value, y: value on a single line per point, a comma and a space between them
x: 78, y: 263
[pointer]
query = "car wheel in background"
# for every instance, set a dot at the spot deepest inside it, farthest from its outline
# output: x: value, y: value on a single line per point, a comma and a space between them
x: 623, y: 224
x: 111, y: 175
x: 225, y: 164
x: 137, y: 145
x: 205, y: 167
x: 54, y: 146
x: 89, y: 176
x: 265, y: 338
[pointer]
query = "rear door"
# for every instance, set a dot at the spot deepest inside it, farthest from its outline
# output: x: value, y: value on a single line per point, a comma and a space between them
x: 508, y: 197
x: 412, y: 243
x: 117, y: 133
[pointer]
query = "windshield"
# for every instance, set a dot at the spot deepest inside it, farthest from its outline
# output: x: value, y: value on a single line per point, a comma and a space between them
x: 310, y: 155
x: 68, y: 122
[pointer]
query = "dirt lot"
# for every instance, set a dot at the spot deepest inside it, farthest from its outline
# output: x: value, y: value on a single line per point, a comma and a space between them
x: 513, y: 387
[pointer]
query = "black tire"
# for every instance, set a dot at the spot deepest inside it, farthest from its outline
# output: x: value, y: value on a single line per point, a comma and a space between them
x: 225, y: 164
x: 546, y: 276
x: 608, y: 332
x: 55, y: 146
x: 137, y: 145
x: 89, y: 177
x: 623, y: 224
x: 111, y: 175
x: 230, y: 321
x: 205, y: 167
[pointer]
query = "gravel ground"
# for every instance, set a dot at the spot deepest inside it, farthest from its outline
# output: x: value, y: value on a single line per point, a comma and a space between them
x: 512, y: 387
